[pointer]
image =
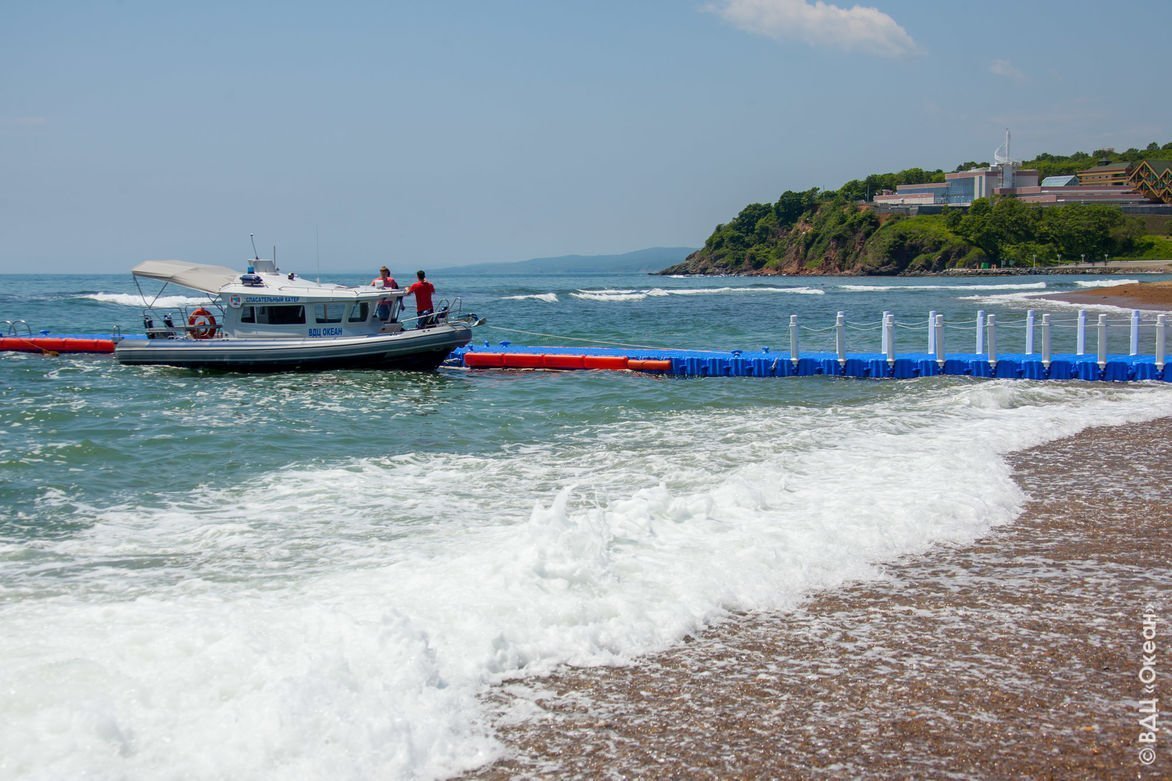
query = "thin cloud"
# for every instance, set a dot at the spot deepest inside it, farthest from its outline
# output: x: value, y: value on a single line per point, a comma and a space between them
x: 1006, y: 69
x: 858, y: 28
x: 24, y: 121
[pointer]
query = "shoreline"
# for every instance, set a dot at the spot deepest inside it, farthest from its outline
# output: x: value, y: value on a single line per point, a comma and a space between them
x: 1077, y: 269
x: 1111, y: 268
x: 1150, y: 296
x: 1014, y: 656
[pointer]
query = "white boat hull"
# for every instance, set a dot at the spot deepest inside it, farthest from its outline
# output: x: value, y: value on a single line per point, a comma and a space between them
x: 423, y: 349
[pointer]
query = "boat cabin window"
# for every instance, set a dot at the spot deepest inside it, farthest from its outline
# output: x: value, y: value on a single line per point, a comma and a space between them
x: 248, y: 314
x: 277, y: 315
x: 283, y: 315
x: 385, y: 310
x: 360, y: 312
x: 329, y: 312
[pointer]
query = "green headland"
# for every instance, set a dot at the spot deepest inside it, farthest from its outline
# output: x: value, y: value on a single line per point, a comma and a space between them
x: 844, y: 232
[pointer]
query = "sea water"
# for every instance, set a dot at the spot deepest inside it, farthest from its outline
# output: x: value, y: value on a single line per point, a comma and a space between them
x: 209, y: 575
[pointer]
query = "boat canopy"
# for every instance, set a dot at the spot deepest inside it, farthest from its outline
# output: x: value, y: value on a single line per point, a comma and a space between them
x: 197, y: 276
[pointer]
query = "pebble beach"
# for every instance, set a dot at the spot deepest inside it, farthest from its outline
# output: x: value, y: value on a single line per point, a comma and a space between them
x: 1013, y: 657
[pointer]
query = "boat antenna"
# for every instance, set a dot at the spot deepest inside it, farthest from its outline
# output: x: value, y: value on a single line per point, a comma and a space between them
x: 255, y: 256
x: 317, y: 251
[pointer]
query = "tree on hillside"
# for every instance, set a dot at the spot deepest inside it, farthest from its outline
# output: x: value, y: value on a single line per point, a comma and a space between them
x: 746, y: 221
x: 791, y: 206
x: 1000, y: 227
x: 1010, y: 230
x: 1090, y: 230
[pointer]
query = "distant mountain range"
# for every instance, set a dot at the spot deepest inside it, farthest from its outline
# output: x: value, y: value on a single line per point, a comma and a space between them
x: 644, y: 260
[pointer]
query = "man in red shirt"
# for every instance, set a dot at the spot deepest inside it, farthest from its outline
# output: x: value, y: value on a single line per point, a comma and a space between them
x: 423, y: 290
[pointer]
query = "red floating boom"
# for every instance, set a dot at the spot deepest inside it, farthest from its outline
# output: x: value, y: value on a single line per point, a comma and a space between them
x: 560, y: 361
x: 54, y: 344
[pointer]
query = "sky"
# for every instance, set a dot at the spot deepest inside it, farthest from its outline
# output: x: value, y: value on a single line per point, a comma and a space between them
x: 431, y: 134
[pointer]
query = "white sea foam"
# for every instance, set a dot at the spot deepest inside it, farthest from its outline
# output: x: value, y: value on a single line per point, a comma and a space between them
x: 610, y: 295
x: 338, y: 620
x: 909, y: 288
x: 1039, y: 301
x: 640, y: 295
x: 1106, y: 282
x: 551, y: 298
x: 138, y: 302
x: 1032, y: 300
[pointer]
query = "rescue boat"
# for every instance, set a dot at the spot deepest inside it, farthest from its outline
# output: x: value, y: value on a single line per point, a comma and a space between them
x: 264, y: 320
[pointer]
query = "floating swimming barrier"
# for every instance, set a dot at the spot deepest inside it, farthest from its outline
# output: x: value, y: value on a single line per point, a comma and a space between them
x: 1116, y: 368
x: 984, y: 361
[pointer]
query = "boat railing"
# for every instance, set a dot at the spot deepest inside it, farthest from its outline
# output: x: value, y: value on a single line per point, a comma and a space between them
x: 175, y: 324
x: 447, y: 308
x: 446, y: 311
x: 13, y: 327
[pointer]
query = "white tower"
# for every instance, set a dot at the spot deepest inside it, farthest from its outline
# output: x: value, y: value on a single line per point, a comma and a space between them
x: 1002, y: 159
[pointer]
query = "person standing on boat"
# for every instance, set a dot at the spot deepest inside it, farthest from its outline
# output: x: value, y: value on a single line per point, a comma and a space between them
x: 422, y: 290
x: 384, y: 279
x: 386, y: 282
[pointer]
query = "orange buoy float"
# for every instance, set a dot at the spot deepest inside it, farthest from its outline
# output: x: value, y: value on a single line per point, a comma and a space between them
x: 474, y: 360
x: 649, y: 365
x: 562, y: 362
x: 611, y: 362
x: 522, y: 361
x: 203, y: 324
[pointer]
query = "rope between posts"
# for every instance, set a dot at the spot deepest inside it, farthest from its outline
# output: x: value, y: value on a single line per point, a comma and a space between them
x: 1148, y: 324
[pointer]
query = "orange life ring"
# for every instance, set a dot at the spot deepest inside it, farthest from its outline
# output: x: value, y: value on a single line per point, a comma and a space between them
x: 203, y: 324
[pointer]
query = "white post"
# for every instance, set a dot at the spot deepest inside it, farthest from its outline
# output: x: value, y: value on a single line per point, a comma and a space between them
x: 888, y: 332
x: 1134, y: 332
x: 1161, y: 341
x: 992, y: 326
x: 1080, y: 347
x: 883, y: 338
x: 840, y: 337
x: 1102, y: 345
x: 1030, y: 332
x: 939, y: 341
x: 1046, y: 341
x: 932, y: 332
x: 980, y: 331
x: 793, y: 339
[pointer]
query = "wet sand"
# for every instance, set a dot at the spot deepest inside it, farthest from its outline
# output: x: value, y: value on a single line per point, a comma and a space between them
x: 1139, y: 295
x: 1014, y: 657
